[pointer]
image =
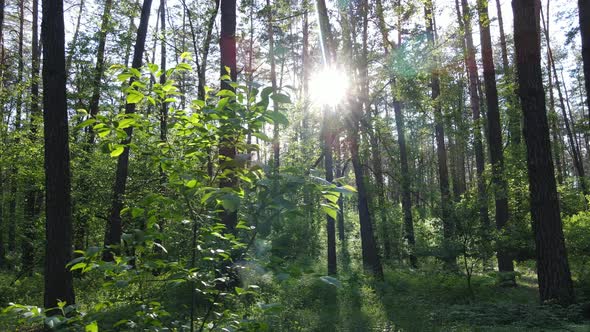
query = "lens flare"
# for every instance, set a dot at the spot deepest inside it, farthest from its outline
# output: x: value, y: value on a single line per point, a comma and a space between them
x: 329, y: 86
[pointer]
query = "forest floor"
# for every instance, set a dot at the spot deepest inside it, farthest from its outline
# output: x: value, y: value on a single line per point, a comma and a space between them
x: 408, y: 300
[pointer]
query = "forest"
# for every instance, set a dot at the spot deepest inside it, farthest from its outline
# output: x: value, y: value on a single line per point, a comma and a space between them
x: 294, y: 165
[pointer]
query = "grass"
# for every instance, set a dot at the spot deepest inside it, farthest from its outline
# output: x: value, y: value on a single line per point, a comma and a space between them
x: 408, y: 300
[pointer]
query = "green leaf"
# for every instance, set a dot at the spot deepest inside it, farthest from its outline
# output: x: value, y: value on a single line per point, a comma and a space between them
x: 123, y: 77
x: 191, y: 184
x: 125, y: 123
x: 186, y: 55
x: 86, y: 123
x: 153, y: 67
x: 117, y: 151
x: 278, y: 118
x: 281, y: 98
x: 330, y: 211
x: 226, y: 93
x: 262, y: 136
x: 134, y: 97
x: 184, y: 66
x: 92, y: 327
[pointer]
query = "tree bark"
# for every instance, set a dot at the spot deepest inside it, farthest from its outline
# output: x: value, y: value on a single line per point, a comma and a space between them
x: 553, y: 271
x: 495, y: 136
x: 227, y: 149
x: 99, y: 68
x: 401, y: 138
x: 58, y: 210
x: 441, y: 151
x: 327, y: 129
x: 114, y: 228
x: 503, y: 48
x: 475, y: 109
x: 584, y: 14
x: 32, y: 194
x: 576, y: 155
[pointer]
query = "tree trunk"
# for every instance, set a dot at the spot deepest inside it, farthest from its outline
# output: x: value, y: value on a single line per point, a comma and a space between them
x: 505, y: 63
x: 72, y: 49
x: 401, y: 138
x: 164, y: 107
x: 276, y: 145
x: 555, y: 283
x: 576, y: 155
x: 475, y: 109
x: 31, y: 195
x: 58, y: 210
x: 227, y: 149
x: 99, y: 68
x: 114, y: 226
x: 327, y: 129
x: 495, y: 136
x: 584, y: 13
x: 441, y: 152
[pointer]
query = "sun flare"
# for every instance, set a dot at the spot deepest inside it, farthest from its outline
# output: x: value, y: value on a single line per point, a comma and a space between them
x: 329, y: 86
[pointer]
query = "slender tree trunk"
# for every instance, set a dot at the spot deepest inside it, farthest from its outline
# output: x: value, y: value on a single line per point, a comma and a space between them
x: 576, y: 155
x: 327, y: 130
x: 72, y: 49
x: 495, y: 137
x: 164, y: 107
x: 475, y: 108
x: 584, y: 13
x: 114, y: 228
x: 227, y: 149
x: 205, y: 52
x: 31, y: 195
x: 503, y: 48
x: 99, y: 68
x: 276, y: 145
x: 441, y: 152
x: 555, y: 283
x: 401, y: 138
x: 58, y: 210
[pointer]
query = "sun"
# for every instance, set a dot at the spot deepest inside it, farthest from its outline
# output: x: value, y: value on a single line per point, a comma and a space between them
x: 329, y: 86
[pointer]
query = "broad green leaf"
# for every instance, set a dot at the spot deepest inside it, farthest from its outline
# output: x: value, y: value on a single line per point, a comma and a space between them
x: 134, y: 97
x: 117, y: 151
x: 191, y: 184
x: 278, y: 118
x: 281, y: 98
x: 333, y: 213
x: 125, y: 123
x: 92, y: 327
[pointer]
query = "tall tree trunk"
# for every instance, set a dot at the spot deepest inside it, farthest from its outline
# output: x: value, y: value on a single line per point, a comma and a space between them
x: 72, y: 49
x: 555, y: 132
x: 31, y: 195
x: 495, y: 136
x: 370, y: 255
x: 99, y: 68
x: 114, y: 228
x: 475, y: 109
x: 576, y: 155
x: 276, y: 145
x: 504, y: 49
x: 327, y: 129
x: 584, y: 13
x: 441, y: 151
x: 555, y: 283
x: 58, y: 210
x: 205, y: 51
x: 401, y: 138
x: 227, y: 149
x: 164, y: 107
